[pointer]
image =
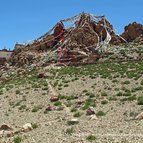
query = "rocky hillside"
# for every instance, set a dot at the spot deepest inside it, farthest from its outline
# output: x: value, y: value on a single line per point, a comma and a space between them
x: 90, y: 103
x: 76, y: 84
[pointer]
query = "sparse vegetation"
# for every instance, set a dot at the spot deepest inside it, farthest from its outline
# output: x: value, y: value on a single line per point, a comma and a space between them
x: 91, y: 138
x: 100, y: 113
x: 104, y: 102
x: 126, y: 82
x: 17, y: 139
x: 36, y: 108
x: 140, y: 100
x: 141, y: 82
x: 58, y: 103
x: 89, y: 102
x: 17, y: 91
x: 34, y: 125
x: 22, y: 107
x: 77, y: 114
x: 73, y: 109
x: 119, y: 94
x: 104, y: 94
x: 69, y: 131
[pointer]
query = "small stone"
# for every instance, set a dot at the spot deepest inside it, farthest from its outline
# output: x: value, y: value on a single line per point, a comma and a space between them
x: 74, y: 120
x: 42, y: 75
x: 60, y: 108
x: 54, y: 98
x: 27, y: 127
x: 90, y: 111
x: 49, y: 108
x: 93, y: 117
x: 139, y: 117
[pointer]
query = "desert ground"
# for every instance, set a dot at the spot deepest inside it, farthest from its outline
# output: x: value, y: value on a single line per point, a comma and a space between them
x: 91, y: 103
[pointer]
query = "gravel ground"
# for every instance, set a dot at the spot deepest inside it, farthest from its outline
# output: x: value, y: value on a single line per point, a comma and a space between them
x: 26, y: 104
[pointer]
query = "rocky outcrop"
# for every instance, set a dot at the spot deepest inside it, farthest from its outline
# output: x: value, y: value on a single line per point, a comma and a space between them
x: 132, y: 31
x: 83, y: 41
x: 4, y: 56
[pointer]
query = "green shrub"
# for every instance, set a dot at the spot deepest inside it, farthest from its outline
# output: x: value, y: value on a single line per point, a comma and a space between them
x: 22, y: 107
x: 142, y: 82
x: 17, y: 91
x: 100, y: 113
x: 70, y: 97
x: 91, y: 138
x: 115, y: 80
x: 91, y: 95
x: 127, y: 94
x: 74, y: 109
x: 104, y: 102
x: 126, y: 82
x: 112, y: 98
x: 132, y: 98
x: 18, y: 103
x: 17, y: 139
x: 104, y: 94
x: 62, y: 97
x: 77, y: 114
x: 58, y: 103
x: 69, y: 131
x: 36, y: 108
x: 34, y: 125
x: 140, y: 100
x: 84, y: 91
x: 89, y: 102
x: 66, y: 85
x: 119, y: 94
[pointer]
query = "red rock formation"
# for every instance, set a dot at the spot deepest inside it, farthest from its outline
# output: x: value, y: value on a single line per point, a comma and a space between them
x: 132, y: 31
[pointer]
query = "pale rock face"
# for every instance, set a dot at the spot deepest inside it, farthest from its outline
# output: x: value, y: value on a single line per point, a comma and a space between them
x: 27, y: 127
x: 93, y: 117
x: 1, y: 133
x: 139, y: 117
x: 6, y: 131
x: 74, y: 120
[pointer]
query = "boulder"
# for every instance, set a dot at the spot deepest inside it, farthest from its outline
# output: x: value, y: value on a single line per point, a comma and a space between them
x: 27, y: 127
x: 54, y: 98
x: 132, y: 31
x: 5, y: 127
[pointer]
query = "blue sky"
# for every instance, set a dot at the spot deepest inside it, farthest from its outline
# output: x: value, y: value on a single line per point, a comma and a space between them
x: 24, y: 20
